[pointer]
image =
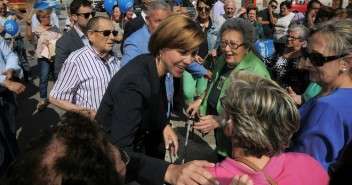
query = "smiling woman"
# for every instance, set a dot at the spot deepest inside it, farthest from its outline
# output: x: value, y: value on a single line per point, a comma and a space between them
x: 326, y: 119
x: 133, y: 109
x: 237, y: 37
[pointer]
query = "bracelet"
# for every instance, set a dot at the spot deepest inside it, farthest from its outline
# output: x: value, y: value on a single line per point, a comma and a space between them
x: 200, y: 99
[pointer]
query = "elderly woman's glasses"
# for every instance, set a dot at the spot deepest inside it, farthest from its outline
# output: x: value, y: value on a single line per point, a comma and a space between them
x: 107, y: 33
x: 232, y: 45
x: 291, y: 37
x: 318, y: 59
x: 86, y: 15
x: 206, y: 8
x: 124, y: 157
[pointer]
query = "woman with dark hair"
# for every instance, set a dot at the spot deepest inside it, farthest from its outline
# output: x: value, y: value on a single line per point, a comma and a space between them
x: 324, y: 13
x: 236, y: 41
x: 281, y: 26
x: 252, y: 12
x: 116, y: 18
x: 192, y: 83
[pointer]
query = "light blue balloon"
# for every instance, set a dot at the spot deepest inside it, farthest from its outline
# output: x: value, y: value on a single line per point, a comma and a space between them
x: 125, y: 5
x: 11, y: 27
x: 108, y: 5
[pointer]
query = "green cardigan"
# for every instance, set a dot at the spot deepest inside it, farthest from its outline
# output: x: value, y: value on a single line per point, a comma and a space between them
x: 250, y: 63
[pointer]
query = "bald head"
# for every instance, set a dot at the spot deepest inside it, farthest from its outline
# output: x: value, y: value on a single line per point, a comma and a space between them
x: 230, y: 8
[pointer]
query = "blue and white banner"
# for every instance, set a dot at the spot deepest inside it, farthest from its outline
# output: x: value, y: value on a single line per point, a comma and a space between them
x: 44, y: 4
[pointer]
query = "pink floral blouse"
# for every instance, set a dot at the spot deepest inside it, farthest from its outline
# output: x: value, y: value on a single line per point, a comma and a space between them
x: 41, y: 37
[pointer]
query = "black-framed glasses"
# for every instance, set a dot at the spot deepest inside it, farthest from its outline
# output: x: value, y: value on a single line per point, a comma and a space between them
x: 273, y: 6
x: 206, y: 8
x: 232, y: 45
x: 292, y: 37
x: 124, y: 157
x: 107, y: 33
x: 86, y: 15
x: 318, y: 59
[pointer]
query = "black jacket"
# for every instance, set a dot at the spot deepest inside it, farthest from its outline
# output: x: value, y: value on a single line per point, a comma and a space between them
x: 135, y: 101
x: 66, y: 44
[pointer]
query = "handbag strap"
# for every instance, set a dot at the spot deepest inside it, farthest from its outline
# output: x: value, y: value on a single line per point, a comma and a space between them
x: 255, y: 168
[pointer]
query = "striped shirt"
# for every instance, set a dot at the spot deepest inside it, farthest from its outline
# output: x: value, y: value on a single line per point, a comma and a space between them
x: 84, y: 78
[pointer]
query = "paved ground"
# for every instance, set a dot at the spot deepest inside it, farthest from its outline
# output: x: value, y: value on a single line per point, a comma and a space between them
x: 30, y: 122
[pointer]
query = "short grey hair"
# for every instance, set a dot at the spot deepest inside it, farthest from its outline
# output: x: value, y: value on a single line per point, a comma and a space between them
x: 303, y: 31
x: 263, y: 115
x: 157, y: 5
x: 241, y: 25
x: 228, y: 2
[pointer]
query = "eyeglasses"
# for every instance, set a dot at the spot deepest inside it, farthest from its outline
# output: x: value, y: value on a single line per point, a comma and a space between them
x: 318, y: 59
x: 107, y: 33
x: 232, y: 45
x: 124, y: 157
x: 206, y: 8
x: 45, y: 17
x: 291, y: 37
x: 273, y: 6
x: 86, y: 15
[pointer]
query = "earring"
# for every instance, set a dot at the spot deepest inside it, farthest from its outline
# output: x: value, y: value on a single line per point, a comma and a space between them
x: 343, y: 70
x: 158, y: 59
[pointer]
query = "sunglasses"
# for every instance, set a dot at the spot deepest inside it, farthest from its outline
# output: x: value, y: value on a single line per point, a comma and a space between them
x: 107, y: 33
x: 86, y: 15
x: 200, y: 8
x: 318, y: 59
x: 274, y: 7
x: 232, y: 45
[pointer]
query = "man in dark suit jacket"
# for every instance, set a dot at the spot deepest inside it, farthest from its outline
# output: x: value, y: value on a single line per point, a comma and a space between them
x: 81, y: 12
x: 136, y: 23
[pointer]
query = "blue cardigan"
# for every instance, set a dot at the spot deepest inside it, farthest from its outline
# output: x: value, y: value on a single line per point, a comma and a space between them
x: 326, y: 127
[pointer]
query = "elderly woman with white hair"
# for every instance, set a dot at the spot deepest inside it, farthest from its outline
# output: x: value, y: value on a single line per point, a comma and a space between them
x: 284, y: 67
x: 236, y: 41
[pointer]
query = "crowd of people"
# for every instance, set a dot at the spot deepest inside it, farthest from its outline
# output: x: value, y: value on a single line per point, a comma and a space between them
x: 286, y: 119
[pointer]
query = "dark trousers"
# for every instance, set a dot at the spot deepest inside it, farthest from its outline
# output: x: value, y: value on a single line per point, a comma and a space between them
x: 8, y: 143
x: 151, y: 144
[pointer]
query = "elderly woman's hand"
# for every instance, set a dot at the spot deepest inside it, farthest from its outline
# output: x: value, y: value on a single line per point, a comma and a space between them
x: 207, y: 123
x: 199, y: 59
x: 297, y: 98
x: 193, y: 107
